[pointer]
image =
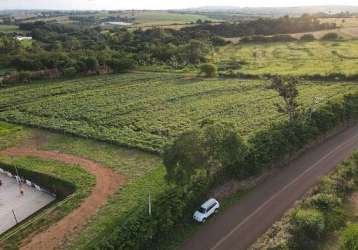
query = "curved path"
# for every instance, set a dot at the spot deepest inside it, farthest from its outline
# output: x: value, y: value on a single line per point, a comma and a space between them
x: 240, y: 225
x: 107, y: 183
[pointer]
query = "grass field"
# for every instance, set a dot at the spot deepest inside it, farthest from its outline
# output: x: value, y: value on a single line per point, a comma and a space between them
x: 146, y: 110
x: 295, y: 58
x: 152, y: 18
x: 8, y: 28
x: 11, y: 135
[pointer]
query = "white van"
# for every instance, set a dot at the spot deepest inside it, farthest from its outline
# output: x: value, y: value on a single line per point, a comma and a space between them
x: 208, y: 208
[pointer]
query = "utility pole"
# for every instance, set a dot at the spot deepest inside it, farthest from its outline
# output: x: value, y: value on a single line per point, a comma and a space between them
x: 149, y: 205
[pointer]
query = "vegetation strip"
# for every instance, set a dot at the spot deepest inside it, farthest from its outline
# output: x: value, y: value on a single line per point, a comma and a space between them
x: 317, y: 215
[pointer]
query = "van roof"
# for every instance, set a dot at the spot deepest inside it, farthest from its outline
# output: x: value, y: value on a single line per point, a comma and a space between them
x: 208, y: 203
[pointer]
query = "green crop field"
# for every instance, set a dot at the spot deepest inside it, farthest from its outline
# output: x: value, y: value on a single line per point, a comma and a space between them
x: 8, y: 28
x: 295, y: 58
x: 148, y: 18
x: 146, y: 110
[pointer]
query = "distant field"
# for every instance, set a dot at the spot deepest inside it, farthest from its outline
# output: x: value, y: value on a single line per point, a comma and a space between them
x: 296, y: 58
x: 146, y: 110
x: 152, y: 18
x: 342, y: 22
x: 8, y: 28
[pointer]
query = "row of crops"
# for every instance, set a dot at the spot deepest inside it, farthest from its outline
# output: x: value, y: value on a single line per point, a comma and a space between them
x: 296, y: 58
x: 145, y: 110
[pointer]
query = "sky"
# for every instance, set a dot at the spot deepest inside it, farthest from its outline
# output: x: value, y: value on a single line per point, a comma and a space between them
x: 159, y: 4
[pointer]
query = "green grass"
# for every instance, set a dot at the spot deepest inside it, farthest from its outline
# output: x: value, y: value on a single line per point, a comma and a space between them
x: 26, y: 43
x: 147, y: 18
x: 146, y: 110
x: 10, y: 135
x: 143, y: 174
x: 332, y: 242
x: 73, y: 174
x: 294, y: 58
x: 8, y: 28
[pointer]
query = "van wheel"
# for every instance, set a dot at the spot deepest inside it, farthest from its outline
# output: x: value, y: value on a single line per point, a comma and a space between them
x: 216, y: 211
x: 203, y: 221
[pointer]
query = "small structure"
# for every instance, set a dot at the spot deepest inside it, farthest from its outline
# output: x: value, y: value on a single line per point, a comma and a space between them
x: 22, y: 38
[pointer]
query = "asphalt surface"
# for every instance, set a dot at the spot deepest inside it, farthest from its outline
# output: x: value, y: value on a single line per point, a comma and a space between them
x: 240, y: 225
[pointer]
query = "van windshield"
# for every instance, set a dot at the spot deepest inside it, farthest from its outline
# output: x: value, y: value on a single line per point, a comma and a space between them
x: 202, y: 210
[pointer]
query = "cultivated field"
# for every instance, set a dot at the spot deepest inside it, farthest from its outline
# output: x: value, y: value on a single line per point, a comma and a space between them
x: 347, y: 28
x: 294, y: 58
x: 146, y: 110
x: 8, y: 28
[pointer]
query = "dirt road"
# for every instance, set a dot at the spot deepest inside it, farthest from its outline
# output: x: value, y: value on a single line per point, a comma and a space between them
x: 107, y: 183
x: 239, y: 226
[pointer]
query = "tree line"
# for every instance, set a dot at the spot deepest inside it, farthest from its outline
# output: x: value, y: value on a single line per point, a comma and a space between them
x: 75, y: 49
x: 265, y: 26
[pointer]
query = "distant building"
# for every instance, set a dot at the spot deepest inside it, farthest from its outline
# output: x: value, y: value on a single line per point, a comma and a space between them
x: 21, y: 38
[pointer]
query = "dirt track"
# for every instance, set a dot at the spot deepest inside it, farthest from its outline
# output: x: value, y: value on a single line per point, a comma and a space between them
x: 107, y: 183
x: 240, y: 225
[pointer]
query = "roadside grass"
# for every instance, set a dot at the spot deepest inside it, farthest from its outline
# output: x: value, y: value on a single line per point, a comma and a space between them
x: 292, y: 58
x: 10, y: 135
x: 332, y: 241
x: 82, y: 180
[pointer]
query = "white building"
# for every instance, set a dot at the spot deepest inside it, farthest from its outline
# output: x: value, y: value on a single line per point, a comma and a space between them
x: 21, y: 38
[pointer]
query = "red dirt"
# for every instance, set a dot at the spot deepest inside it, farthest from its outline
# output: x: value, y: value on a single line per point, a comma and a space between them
x: 107, y: 183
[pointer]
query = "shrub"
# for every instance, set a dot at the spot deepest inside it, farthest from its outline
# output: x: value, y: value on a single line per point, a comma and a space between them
x: 324, y: 202
x: 330, y: 37
x: 121, y: 64
x: 350, y: 237
x: 208, y: 70
x: 307, y: 226
x: 307, y: 38
x: 69, y: 72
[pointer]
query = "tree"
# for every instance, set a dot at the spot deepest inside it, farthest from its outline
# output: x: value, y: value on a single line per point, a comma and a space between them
x: 185, y: 157
x: 195, y: 51
x: 208, y: 69
x: 225, y: 149
x: 307, y: 38
x: 121, y: 64
x: 287, y: 89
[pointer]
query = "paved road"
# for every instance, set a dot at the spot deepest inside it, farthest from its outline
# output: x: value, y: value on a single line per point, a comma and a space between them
x: 239, y: 226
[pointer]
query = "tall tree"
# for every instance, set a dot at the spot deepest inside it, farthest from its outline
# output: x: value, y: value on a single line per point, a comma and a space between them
x: 286, y: 87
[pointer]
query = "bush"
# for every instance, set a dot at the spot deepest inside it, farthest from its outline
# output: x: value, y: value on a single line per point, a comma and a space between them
x: 208, y: 70
x: 330, y: 37
x: 69, y: 72
x: 350, y: 237
x: 120, y: 65
x: 325, y: 202
x: 307, y: 38
x: 307, y: 226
